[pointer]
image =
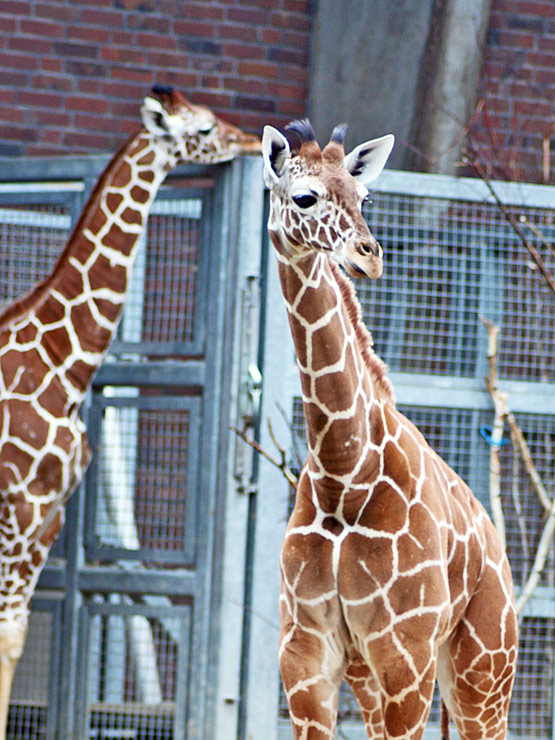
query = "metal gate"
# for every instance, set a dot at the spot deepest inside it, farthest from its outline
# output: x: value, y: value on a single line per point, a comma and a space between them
x: 125, y: 632
x: 450, y: 256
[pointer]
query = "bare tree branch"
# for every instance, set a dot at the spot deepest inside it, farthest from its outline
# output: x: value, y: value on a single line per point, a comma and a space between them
x: 500, y: 404
x: 298, y: 458
x: 539, y: 561
x: 534, y: 229
x: 472, y: 160
x: 280, y: 464
x: 499, y: 399
x: 518, y: 508
x: 528, y: 462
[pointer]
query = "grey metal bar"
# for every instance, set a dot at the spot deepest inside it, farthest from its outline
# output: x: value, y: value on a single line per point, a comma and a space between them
x: 53, y: 577
x: 463, y: 188
x: 152, y: 373
x: 447, y: 391
x: 104, y: 579
x: 46, y: 169
x: 176, y: 403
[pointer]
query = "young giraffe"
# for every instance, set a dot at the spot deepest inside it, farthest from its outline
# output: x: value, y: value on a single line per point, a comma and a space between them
x: 392, y: 573
x: 53, y: 340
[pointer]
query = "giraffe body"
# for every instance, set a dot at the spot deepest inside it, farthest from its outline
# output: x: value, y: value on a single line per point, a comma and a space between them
x: 392, y: 574
x: 53, y: 340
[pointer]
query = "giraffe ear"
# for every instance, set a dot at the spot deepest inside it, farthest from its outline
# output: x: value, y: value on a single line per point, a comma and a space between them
x: 159, y: 122
x: 275, y: 151
x: 367, y: 160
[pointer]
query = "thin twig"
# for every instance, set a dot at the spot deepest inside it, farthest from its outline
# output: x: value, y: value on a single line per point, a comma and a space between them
x: 288, y: 474
x: 539, y: 561
x: 528, y: 462
x: 298, y: 458
x: 534, y: 229
x: 340, y: 732
x: 471, y: 159
x: 518, y: 507
x: 494, y: 143
x: 520, y: 442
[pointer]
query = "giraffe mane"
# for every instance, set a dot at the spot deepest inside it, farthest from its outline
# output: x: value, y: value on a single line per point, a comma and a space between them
x: 376, y: 366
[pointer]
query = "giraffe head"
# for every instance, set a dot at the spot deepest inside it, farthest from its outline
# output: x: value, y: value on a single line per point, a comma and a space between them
x: 193, y: 132
x: 316, y: 196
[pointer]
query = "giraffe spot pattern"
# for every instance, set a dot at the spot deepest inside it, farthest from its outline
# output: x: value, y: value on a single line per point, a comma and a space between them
x: 53, y: 339
x: 388, y: 559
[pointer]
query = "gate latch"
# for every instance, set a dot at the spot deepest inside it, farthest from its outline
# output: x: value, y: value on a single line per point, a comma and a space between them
x: 254, y: 391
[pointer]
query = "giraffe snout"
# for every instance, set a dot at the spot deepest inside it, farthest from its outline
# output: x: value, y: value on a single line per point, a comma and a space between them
x: 364, y: 259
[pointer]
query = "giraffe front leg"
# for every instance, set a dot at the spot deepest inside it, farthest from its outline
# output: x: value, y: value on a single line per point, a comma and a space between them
x: 405, y: 670
x: 12, y: 640
x: 311, y: 667
x: 368, y: 696
x: 477, y: 664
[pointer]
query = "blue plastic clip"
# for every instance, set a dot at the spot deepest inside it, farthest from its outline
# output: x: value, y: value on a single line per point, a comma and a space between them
x: 486, y: 432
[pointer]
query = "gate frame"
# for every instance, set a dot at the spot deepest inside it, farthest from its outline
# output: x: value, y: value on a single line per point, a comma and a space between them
x: 233, y: 261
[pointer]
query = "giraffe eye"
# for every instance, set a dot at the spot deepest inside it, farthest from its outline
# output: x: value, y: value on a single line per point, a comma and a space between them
x: 206, y: 129
x: 306, y: 200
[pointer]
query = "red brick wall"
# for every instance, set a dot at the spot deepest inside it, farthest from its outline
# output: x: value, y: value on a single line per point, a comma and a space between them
x: 518, y: 87
x: 73, y: 72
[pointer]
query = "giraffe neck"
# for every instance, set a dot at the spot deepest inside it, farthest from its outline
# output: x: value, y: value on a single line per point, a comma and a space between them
x: 342, y: 380
x: 77, y: 308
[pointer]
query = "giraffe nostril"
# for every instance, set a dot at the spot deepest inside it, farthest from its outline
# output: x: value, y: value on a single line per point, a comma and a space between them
x: 369, y: 248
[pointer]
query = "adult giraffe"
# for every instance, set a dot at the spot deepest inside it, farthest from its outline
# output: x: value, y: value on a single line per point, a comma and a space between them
x: 392, y: 573
x: 53, y: 340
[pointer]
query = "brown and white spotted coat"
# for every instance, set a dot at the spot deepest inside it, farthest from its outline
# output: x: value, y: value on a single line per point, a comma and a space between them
x: 53, y: 340
x: 392, y: 574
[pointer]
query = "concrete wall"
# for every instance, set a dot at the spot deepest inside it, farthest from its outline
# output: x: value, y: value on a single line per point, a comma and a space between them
x: 367, y: 61
x: 74, y: 73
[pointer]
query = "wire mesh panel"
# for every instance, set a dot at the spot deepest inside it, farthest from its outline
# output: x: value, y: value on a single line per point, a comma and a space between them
x: 165, y: 302
x: 31, y: 239
x: 531, y: 710
x: 32, y: 711
x: 447, y: 262
x: 135, y: 666
x: 145, y: 475
x: 144, y: 522
x: 524, y: 514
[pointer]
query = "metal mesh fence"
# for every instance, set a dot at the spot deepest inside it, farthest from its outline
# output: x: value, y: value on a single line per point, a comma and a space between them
x: 30, y: 709
x: 31, y: 239
x: 162, y: 303
x: 162, y: 306
x: 144, y: 477
x: 134, y: 655
x: 171, y: 281
x: 447, y: 262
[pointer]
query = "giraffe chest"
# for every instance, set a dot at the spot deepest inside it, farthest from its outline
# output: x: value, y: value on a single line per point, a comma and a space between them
x: 407, y: 552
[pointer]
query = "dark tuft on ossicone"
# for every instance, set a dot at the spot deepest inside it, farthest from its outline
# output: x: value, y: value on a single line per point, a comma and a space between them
x: 303, y: 129
x: 162, y: 90
x: 338, y: 133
